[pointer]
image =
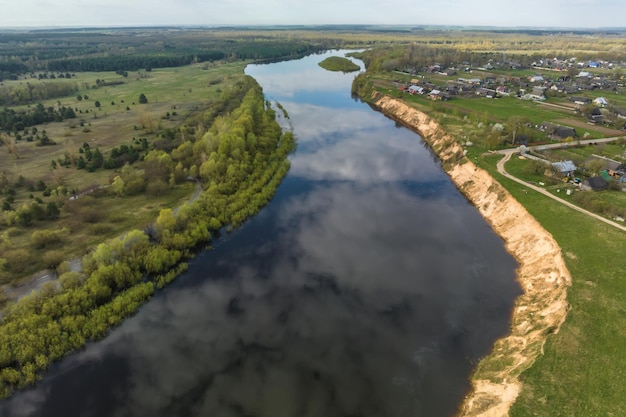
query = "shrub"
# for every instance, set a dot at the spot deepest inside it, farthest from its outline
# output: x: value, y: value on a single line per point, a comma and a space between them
x: 53, y: 258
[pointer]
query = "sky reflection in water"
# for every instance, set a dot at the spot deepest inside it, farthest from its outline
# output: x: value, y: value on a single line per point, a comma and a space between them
x: 368, y: 287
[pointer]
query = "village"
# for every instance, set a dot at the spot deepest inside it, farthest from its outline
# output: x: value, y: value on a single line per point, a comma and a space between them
x: 574, y: 86
x: 570, y: 115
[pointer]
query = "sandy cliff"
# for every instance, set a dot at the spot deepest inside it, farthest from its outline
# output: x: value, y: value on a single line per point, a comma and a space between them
x: 542, y: 274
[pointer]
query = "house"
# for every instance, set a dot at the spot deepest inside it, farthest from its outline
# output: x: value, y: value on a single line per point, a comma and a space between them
x: 486, y: 92
x: 566, y: 168
x: 570, y: 89
x: 538, y: 93
x: 414, y: 89
x: 557, y: 132
x: 503, y: 91
x: 563, y: 132
x: 435, y: 95
x: 536, y: 79
x: 594, y: 184
x: 438, y: 95
x: 600, y: 101
x: 581, y: 101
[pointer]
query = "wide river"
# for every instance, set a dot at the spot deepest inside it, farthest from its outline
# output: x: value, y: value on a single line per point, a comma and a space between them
x: 369, y: 286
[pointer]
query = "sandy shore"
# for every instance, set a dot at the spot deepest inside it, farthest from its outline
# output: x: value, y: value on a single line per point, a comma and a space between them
x: 542, y: 274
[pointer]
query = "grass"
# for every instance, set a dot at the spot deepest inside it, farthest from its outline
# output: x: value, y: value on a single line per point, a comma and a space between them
x: 337, y: 63
x: 583, y: 366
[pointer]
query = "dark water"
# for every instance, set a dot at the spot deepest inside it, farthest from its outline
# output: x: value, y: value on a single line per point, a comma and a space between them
x: 368, y: 287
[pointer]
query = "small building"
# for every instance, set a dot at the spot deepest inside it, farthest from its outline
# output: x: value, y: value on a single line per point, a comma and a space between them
x: 435, y: 95
x: 601, y: 101
x: 486, y: 92
x: 414, y: 89
x: 557, y: 132
x: 594, y: 184
x: 565, y: 168
x: 503, y: 91
x: 564, y: 132
x: 581, y: 101
x: 538, y: 93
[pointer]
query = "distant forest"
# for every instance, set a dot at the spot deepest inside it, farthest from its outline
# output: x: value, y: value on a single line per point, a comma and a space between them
x: 134, y: 49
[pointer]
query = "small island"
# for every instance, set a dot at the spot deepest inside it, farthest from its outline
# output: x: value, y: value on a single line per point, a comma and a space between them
x: 336, y: 63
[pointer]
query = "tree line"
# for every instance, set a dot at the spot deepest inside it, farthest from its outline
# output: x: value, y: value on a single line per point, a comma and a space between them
x: 29, y: 93
x: 16, y: 121
x: 131, y: 62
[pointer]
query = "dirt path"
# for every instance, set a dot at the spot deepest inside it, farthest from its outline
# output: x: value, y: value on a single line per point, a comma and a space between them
x: 593, y: 128
x: 542, y: 274
x: 502, y: 171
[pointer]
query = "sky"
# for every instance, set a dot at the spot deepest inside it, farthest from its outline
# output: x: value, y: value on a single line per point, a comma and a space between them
x: 501, y: 13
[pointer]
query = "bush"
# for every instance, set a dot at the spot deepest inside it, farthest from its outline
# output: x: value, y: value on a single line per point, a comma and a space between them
x: 53, y: 258
x: 157, y: 188
x: 18, y: 260
x: 43, y: 238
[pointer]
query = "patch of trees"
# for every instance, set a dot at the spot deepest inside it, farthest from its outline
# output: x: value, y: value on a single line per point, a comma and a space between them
x: 11, y: 70
x: 33, y: 92
x: 16, y: 121
x: 241, y: 159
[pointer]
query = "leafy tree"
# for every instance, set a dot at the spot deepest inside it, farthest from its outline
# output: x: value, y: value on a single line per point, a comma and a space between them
x: 97, y: 104
x: 143, y: 99
x: 117, y: 186
x: 52, y: 210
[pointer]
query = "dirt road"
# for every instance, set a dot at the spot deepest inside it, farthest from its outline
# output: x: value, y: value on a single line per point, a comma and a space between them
x: 502, y: 171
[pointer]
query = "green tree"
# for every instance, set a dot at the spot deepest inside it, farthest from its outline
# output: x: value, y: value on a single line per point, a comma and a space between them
x: 143, y: 99
x: 52, y: 210
x: 118, y: 186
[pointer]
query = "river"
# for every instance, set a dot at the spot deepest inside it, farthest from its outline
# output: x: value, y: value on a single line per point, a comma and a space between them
x: 369, y: 286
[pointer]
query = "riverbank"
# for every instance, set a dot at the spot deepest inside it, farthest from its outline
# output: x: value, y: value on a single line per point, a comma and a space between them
x: 542, y: 273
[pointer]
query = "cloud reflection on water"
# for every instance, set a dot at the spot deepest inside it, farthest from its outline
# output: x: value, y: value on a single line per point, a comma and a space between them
x: 331, y: 326
x: 370, y: 290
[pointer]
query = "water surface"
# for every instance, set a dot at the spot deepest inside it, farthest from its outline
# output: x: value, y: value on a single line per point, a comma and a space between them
x: 369, y: 286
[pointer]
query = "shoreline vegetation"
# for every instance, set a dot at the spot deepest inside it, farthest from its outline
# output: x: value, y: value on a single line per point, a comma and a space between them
x: 240, y: 160
x: 336, y: 63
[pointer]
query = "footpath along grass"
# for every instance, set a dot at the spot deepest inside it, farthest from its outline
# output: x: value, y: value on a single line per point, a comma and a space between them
x: 583, y: 369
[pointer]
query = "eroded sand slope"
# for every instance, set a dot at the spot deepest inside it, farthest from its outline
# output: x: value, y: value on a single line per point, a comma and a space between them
x: 542, y: 274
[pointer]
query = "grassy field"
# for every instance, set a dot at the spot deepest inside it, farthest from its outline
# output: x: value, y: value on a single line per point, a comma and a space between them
x: 176, y: 98
x: 583, y: 367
